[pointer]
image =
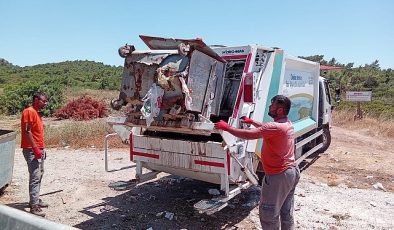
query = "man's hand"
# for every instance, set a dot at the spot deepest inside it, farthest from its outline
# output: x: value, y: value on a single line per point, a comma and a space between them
x: 246, y: 120
x: 222, y: 125
x: 37, y: 153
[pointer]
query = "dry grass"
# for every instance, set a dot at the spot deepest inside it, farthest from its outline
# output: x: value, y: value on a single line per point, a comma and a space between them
x: 100, y: 95
x: 370, y: 125
x: 79, y: 134
x: 85, y: 134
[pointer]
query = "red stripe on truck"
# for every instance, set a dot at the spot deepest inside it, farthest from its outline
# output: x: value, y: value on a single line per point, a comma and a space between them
x: 228, y: 161
x: 150, y: 155
x: 234, y: 57
x: 131, y: 146
x: 209, y: 163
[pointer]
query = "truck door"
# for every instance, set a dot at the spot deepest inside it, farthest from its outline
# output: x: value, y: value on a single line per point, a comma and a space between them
x: 325, y: 106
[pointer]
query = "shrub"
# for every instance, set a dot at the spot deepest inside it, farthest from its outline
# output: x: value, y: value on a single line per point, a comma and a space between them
x: 83, y: 108
x: 17, y: 97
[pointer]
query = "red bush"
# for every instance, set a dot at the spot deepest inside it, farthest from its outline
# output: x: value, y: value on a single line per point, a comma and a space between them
x: 83, y: 108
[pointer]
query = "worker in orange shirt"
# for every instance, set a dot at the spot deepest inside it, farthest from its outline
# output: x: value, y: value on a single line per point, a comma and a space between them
x: 277, y: 155
x: 32, y: 143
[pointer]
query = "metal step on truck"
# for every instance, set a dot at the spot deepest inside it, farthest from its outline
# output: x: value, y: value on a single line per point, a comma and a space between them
x: 174, y: 92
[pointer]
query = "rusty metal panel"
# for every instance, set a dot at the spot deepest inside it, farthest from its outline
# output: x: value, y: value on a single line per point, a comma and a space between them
x: 158, y: 43
x: 137, y: 79
x: 205, y: 79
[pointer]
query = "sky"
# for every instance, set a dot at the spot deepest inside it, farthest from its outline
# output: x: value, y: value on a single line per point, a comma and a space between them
x: 50, y: 31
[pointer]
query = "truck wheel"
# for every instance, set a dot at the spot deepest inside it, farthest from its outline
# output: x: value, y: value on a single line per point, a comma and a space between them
x: 2, y: 189
x: 325, y: 138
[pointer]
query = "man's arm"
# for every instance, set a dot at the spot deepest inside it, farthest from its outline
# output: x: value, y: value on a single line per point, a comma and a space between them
x: 29, y: 135
x: 241, y: 133
x: 247, y: 120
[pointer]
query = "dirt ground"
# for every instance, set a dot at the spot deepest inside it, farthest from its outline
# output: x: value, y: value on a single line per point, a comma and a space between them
x: 336, y: 191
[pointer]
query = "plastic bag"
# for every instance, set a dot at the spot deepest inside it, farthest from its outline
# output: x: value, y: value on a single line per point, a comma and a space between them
x: 152, y: 102
x: 188, y: 97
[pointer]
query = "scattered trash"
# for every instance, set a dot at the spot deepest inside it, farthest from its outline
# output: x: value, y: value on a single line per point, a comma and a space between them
x: 213, y: 192
x: 159, y: 214
x: 132, y: 199
x: 379, y: 186
x: 369, y: 177
x: 150, y: 228
x: 169, y: 215
x: 373, y: 204
x: 122, y: 185
x: 341, y: 216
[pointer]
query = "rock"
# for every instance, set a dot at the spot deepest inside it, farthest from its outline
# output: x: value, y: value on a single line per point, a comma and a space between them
x: 301, y: 195
x: 373, y: 204
x: 379, y: 186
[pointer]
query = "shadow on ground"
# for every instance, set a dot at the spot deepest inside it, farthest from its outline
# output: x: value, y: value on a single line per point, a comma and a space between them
x: 152, y: 205
x: 308, y: 161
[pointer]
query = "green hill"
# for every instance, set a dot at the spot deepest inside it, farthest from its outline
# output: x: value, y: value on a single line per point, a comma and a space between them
x: 17, y: 84
x: 85, y: 74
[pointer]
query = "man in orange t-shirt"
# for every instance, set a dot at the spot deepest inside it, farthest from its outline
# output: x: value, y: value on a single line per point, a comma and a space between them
x: 277, y: 156
x: 32, y: 144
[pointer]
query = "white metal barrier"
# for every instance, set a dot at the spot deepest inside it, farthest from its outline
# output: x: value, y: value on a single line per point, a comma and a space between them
x: 11, y: 218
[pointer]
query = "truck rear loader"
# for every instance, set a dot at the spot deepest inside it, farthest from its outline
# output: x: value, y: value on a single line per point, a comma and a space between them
x: 174, y: 92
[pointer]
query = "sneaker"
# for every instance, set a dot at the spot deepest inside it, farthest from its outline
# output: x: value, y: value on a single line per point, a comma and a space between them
x: 41, y: 204
x: 36, y: 210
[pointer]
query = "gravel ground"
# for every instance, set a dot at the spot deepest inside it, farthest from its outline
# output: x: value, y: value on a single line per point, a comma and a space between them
x: 83, y: 195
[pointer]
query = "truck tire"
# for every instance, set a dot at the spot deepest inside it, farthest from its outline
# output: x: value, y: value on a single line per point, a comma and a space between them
x: 2, y: 189
x: 325, y: 138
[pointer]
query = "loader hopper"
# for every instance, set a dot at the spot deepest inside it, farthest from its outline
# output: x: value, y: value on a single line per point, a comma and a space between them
x: 175, y: 83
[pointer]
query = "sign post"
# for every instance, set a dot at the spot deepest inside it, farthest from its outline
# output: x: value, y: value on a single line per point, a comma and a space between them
x: 359, y: 96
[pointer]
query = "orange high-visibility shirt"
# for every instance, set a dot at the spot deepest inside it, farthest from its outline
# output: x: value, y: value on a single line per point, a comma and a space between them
x: 277, y: 152
x: 30, y: 115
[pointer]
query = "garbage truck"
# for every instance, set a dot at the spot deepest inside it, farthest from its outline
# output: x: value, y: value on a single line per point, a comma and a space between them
x: 172, y: 94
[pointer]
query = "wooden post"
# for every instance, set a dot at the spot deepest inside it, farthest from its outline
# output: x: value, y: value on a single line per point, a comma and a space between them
x: 359, y: 114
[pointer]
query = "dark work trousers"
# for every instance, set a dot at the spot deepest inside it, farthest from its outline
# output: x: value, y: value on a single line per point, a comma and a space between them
x: 277, y: 199
x: 36, y: 171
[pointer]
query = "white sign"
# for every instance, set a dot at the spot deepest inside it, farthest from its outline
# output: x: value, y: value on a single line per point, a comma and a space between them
x: 359, y: 95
